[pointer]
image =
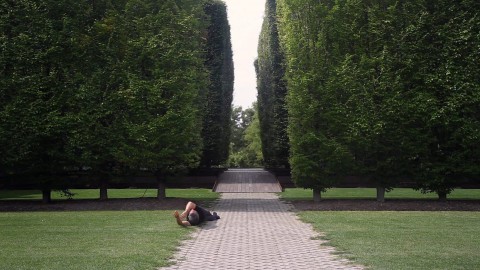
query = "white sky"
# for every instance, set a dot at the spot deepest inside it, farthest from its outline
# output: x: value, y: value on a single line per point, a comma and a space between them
x: 245, y: 18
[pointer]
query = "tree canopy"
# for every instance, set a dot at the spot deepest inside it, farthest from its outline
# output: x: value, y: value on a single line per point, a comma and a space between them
x: 111, y: 87
x: 387, y: 90
x: 245, y: 145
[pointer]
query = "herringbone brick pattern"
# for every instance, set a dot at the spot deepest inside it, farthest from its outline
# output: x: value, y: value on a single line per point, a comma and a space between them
x: 256, y: 231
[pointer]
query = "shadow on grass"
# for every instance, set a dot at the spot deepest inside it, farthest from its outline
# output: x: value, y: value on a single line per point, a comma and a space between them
x: 131, y: 204
x: 388, y: 205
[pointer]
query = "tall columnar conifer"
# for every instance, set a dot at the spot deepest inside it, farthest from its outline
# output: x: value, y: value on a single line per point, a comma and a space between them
x: 217, y: 104
x: 272, y: 91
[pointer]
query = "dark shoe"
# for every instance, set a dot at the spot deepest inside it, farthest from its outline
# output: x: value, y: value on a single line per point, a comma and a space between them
x: 215, y: 215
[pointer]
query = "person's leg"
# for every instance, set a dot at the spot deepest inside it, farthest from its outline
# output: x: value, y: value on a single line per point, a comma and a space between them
x: 189, y: 207
x: 210, y: 217
x: 207, y: 215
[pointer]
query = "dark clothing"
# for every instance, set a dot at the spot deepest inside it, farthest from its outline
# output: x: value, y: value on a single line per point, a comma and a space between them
x: 204, y: 215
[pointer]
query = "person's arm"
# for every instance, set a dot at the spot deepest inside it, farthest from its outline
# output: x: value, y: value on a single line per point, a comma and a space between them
x: 180, y: 221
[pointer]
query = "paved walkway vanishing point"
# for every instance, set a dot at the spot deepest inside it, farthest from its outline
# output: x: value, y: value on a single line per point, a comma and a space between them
x: 256, y: 231
x: 247, y: 181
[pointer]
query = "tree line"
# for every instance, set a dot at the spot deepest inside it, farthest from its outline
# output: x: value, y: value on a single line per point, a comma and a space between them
x: 384, y: 90
x: 113, y: 87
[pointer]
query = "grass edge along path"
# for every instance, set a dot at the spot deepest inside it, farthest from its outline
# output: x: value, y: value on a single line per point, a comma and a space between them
x: 88, y: 240
x: 402, y: 240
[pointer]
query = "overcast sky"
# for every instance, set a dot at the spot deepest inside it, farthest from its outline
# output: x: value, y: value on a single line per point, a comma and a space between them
x: 245, y: 18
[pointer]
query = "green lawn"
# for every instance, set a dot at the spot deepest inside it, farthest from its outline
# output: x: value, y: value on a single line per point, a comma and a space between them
x: 147, y: 239
x: 88, y: 240
x: 370, y: 193
x: 403, y: 240
x: 92, y: 240
x: 193, y: 194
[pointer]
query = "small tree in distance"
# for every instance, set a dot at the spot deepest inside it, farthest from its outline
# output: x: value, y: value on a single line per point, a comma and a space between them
x: 245, y: 147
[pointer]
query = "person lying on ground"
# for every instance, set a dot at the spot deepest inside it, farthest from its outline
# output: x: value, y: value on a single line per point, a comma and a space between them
x: 194, y: 215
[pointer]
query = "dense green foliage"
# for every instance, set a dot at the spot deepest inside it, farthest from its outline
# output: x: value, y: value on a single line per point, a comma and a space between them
x: 109, y: 86
x: 382, y: 89
x: 38, y: 77
x: 272, y: 91
x: 241, y: 119
x: 218, y: 104
x: 246, y: 145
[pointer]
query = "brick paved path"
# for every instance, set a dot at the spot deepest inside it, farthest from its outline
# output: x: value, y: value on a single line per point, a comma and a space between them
x: 248, y: 181
x: 256, y: 231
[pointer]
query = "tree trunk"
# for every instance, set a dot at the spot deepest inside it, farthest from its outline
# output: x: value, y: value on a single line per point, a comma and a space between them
x: 104, y: 188
x: 46, y: 195
x: 161, y: 195
x: 380, y: 194
x: 317, y: 195
x: 442, y: 196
